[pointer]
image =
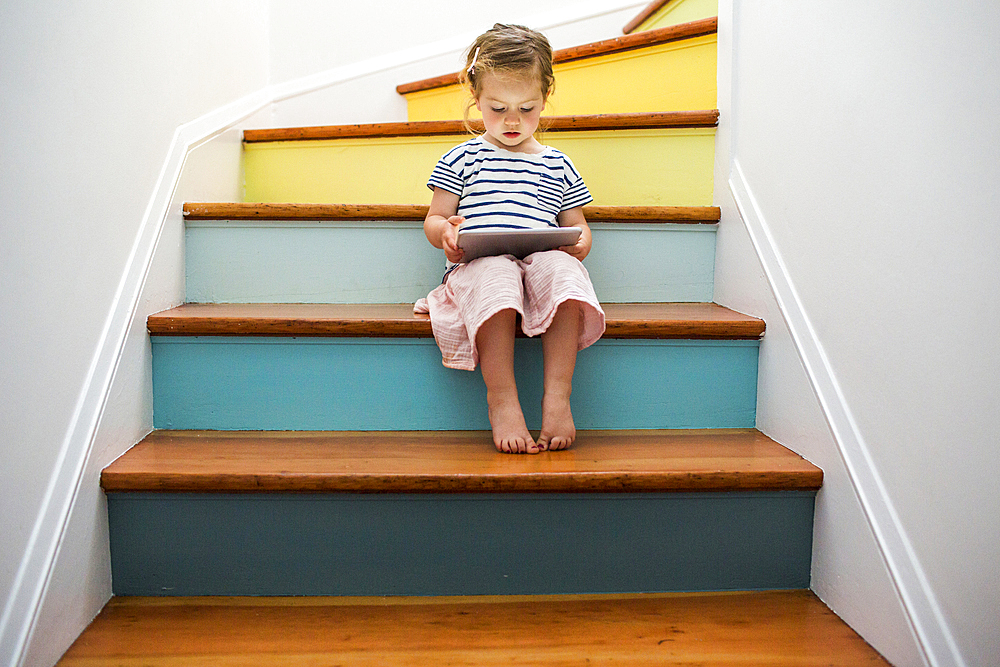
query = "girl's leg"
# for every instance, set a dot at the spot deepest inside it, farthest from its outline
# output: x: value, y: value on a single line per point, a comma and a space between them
x: 559, y: 345
x: 495, y: 342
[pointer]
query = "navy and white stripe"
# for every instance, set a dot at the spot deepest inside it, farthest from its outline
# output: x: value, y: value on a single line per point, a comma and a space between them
x: 501, y: 189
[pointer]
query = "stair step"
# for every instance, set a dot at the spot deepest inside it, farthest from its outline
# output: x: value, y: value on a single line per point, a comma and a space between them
x: 786, y: 627
x: 402, y: 212
x: 675, y: 65
x: 455, y: 462
x: 592, y: 50
x: 626, y: 160
x: 259, y: 253
x: 661, y: 13
x: 209, y: 513
x: 433, y: 128
x: 353, y: 367
x: 624, y: 320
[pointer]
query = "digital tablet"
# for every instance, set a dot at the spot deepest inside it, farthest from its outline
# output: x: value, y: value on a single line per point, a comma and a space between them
x: 517, y: 242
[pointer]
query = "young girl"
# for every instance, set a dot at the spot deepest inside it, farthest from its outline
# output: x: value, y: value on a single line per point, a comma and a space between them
x: 506, y: 178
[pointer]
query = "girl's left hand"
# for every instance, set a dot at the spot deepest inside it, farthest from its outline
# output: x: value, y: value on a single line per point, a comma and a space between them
x: 580, y: 250
x: 574, y: 218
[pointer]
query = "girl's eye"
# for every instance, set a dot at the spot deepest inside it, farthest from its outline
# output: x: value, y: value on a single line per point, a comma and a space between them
x: 500, y: 110
x: 528, y: 110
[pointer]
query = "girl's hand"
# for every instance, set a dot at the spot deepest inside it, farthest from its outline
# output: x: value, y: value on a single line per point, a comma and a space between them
x: 449, y: 239
x: 441, y: 224
x: 574, y: 218
x: 580, y: 250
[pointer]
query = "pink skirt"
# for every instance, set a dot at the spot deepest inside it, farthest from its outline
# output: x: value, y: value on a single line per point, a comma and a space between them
x: 535, y: 287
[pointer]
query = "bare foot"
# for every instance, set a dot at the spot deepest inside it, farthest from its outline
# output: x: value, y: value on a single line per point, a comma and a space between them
x: 558, y: 430
x: 510, y: 433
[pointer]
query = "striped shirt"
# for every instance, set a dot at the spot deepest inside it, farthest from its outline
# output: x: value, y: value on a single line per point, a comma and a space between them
x: 501, y: 189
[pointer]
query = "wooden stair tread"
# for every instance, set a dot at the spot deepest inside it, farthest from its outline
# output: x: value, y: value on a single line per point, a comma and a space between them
x: 403, y: 212
x: 455, y: 462
x: 426, y: 128
x: 624, y: 320
x: 765, y: 627
x: 605, y: 47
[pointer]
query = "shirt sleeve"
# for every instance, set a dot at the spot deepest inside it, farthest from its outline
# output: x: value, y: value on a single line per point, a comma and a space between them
x: 447, y: 172
x: 575, y: 193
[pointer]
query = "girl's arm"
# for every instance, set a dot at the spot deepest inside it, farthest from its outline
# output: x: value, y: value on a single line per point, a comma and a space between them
x: 573, y: 217
x: 441, y: 224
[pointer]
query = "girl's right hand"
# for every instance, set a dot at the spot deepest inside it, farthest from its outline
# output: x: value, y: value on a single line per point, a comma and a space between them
x: 449, y: 239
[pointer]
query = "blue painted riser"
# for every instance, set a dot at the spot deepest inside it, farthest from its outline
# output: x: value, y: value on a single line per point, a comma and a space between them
x: 261, y: 262
x: 400, y: 384
x: 189, y: 544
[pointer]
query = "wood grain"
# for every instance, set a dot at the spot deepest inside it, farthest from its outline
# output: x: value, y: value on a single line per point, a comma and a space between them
x: 592, y: 50
x: 456, y: 462
x: 399, y: 212
x: 426, y: 128
x: 640, y: 630
x: 623, y: 320
x: 305, y: 212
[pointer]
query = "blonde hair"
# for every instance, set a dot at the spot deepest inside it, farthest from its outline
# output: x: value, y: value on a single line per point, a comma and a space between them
x: 507, y: 49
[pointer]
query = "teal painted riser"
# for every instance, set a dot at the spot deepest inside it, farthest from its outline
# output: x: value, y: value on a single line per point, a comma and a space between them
x: 272, y: 544
x: 326, y: 262
x: 400, y: 384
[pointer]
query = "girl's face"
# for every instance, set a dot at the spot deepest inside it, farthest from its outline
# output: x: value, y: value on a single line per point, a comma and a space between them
x: 512, y: 107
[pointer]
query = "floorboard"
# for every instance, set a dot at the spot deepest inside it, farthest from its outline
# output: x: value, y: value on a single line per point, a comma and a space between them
x: 456, y: 461
x: 773, y: 628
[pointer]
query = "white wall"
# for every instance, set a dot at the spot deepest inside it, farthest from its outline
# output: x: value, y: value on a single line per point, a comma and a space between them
x: 92, y: 95
x: 333, y: 63
x: 848, y: 571
x: 102, y: 106
x: 309, y: 36
x: 866, y: 163
x: 863, y: 138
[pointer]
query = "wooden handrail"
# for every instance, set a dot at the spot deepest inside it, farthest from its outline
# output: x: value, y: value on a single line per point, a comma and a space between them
x: 401, y: 212
x: 605, y: 47
x: 616, y: 121
x: 647, y: 11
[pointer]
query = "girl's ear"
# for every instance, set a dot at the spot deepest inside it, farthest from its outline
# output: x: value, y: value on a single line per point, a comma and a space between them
x: 479, y: 106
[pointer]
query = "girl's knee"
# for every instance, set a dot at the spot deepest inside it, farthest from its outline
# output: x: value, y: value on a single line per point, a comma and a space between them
x: 554, y: 270
x: 500, y: 267
x: 488, y: 285
x: 553, y: 262
x: 487, y: 272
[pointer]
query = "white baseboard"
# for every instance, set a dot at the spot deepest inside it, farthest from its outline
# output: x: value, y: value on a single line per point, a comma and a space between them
x: 919, y: 601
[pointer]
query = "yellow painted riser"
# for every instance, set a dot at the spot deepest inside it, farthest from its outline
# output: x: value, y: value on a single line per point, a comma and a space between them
x: 680, y: 11
x: 636, y: 167
x: 679, y: 76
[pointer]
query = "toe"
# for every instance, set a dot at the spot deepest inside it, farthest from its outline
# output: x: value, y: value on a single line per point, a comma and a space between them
x: 560, y: 443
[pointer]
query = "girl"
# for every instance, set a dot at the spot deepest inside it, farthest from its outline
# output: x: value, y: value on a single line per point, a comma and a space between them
x: 507, y: 178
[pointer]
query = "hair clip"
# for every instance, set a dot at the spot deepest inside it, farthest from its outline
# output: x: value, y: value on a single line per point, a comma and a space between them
x: 472, y: 68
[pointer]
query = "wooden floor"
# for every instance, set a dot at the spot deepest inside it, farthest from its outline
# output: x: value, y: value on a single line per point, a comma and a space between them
x: 770, y: 628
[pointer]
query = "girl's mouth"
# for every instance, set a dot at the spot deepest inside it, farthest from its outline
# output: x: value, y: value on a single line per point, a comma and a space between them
x: 511, y: 135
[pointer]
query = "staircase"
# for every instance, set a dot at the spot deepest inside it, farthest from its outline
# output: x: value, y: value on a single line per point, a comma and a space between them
x: 309, y: 442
